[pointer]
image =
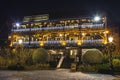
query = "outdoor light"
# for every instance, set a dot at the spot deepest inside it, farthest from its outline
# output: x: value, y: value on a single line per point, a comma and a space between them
x: 83, y: 34
x: 106, y: 32
x: 79, y: 43
x: 11, y: 44
x: 17, y: 24
x: 60, y: 35
x: 63, y: 43
x: 20, y: 41
x: 110, y: 50
x: 110, y: 39
x: 42, y: 43
x: 96, y: 18
x: 105, y: 42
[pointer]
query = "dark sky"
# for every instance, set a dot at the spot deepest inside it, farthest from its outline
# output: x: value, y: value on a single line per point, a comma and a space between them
x: 15, y: 10
x: 60, y: 8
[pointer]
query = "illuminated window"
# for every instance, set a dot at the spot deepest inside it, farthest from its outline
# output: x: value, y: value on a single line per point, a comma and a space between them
x: 72, y: 21
x: 77, y: 21
x: 68, y: 20
x: 23, y: 26
x: 83, y: 20
x: 45, y: 23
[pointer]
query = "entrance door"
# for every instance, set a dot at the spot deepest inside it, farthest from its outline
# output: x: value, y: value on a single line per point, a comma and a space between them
x: 73, y: 53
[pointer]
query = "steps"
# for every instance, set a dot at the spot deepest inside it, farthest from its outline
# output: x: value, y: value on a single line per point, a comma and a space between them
x: 60, y: 62
x: 67, y: 63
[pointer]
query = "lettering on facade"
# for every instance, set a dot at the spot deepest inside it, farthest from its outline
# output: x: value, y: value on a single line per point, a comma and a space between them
x: 91, y: 25
x: 36, y: 18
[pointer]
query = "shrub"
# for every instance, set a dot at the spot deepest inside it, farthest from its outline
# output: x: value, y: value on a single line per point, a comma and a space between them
x: 106, y: 58
x: 102, y: 68
x: 40, y: 56
x: 15, y: 67
x: 26, y: 57
x: 116, y: 64
x: 6, y: 61
x: 42, y: 66
x: 86, y: 68
x: 53, y: 64
x: 92, y: 56
x: 29, y: 60
x: 98, y: 68
x: 116, y: 56
x: 38, y: 67
x: 3, y: 63
x: 22, y: 55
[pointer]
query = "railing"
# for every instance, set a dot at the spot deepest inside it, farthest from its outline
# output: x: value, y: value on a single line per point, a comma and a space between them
x: 45, y: 28
x: 20, y: 30
x: 93, y: 41
x: 94, y: 26
x: 99, y: 41
x: 52, y: 42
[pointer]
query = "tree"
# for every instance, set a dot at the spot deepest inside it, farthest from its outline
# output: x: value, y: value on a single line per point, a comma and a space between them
x: 92, y: 56
x: 40, y: 56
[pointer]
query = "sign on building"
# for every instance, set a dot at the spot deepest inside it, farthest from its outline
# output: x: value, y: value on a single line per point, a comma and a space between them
x: 36, y: 18
x: 91, y: 25
x: 40, y: 17
x: 27, y: 18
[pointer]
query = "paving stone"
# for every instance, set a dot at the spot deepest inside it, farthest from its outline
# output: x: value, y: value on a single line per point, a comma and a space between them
x: 62, y: 74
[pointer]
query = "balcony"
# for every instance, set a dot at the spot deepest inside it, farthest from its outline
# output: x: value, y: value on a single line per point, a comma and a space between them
x: 45, y: 28
x: 86, y: 43
x: 93, y: 26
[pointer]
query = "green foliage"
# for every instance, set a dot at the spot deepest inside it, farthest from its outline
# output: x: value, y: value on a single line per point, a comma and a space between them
x: 18, y: 49
x: 102, y: 68
x: 2, y: 61
x: 116, y: 56
x: 106, y: 58
x: 6, y: 61
x: 29, y: 60
x: 22, y: 55
x: 40, y: 56
x: 92, y: 56
x: 53, y: 64
x: 99, y: 68
x: 86, y: 68
x: 38, y: 67
x: 15, y: 67
x: 26, y: 57
x: 116, y: 64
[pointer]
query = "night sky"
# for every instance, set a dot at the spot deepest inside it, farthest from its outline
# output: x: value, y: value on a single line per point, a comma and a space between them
x: 17, y: 9
x: 60, y: 8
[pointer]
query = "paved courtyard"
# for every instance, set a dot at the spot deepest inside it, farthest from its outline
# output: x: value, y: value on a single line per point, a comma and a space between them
x: 60, y: 74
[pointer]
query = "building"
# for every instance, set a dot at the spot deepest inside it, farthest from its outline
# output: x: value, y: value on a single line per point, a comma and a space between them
x: 63, y: 36
x: 115, y: 33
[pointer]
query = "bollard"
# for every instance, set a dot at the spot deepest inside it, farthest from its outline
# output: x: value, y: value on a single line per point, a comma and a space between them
x: 73, y: 67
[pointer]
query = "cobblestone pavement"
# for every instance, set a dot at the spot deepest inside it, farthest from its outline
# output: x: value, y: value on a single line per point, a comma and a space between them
x: 60, y: 74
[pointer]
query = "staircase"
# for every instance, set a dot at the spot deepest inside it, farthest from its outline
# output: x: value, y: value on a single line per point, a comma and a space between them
x: 60, y: 62
x: 67, y: 63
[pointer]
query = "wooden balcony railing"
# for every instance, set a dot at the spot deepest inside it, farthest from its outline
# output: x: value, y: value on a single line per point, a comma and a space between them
x: 94, y: 26
x: 99, y: 41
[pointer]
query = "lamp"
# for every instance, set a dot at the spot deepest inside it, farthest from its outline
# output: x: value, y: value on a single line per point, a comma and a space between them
x: 18, y: 24
x: 110, y: 46
x: 79, y: 43
x: 42, y: 43
x: 97, y: 18
x: 20, y: 41
x: 110, y: 39
x: 63, y: 43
